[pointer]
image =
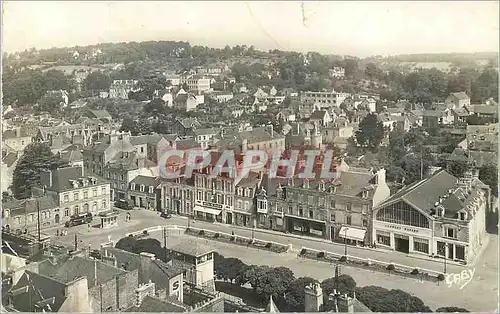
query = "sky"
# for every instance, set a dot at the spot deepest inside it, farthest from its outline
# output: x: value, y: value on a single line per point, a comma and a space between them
x: 342, y: 27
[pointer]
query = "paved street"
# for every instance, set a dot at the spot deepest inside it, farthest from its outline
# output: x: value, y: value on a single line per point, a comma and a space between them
x: 478, y: 295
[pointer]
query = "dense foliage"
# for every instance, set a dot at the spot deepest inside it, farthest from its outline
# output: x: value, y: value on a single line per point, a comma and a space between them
x: 36, y: 157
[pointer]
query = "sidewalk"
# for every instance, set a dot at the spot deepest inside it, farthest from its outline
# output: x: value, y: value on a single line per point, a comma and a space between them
x: 325, y: 241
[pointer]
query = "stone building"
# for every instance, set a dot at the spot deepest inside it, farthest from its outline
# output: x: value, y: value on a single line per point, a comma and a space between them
x: 143, y: 192
x: 439, y: 216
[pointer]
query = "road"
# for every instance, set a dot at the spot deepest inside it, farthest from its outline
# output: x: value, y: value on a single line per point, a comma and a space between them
x: 478, y: 295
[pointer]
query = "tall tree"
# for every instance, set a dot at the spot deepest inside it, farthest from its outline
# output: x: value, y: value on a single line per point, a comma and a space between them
x: 371, y: 132
x: 36, y: 157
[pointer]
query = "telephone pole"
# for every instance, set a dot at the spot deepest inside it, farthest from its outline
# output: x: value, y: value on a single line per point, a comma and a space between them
x: 76, y: 242
x: 165, y: 242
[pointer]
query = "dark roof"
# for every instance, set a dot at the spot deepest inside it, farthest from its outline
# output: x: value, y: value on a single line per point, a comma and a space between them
x: 460, y: 95
x: 10, y: 159
x: 71, y: 268
x: 145, y: 139
x: 187, y: 144
x: 192, y: 248
x: 100, y: 114
x: 62, y: 179
x: 26, y: 206
x: 318, y: 115
x: 144, y: 180
x: 158, y: 273
x: 206, y: 131
x: 21, y: 132
x: 425, y: 193
x: 40, y: 288
x: 154, y: 305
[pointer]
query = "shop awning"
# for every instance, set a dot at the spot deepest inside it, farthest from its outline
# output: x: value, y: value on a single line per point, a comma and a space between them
x: 352, y: 233
x: 207, y: 210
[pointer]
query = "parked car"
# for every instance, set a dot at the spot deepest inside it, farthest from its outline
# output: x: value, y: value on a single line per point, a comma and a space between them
x: 79, y: 219
x: 124, y: 204
x: 165, y: 215
x: 95, y: 254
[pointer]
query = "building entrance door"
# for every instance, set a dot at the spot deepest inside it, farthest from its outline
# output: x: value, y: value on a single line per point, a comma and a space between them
x: 401, y: 243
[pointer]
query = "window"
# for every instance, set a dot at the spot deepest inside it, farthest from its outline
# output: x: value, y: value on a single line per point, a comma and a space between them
x: 301, y: 211
x: 85, y: 194
x: 246, y: 205
x: 200, y: 195
x: 462, y: 216
x: 311, y: 214
x: 332, y: 216
x: 403, y: 214
x: 66, y: 198
x: 94, y: 192
x: 103, y: 191
x: 30, y: 218
x: 66, y: 212
x: 333, y: 204
x: 364, y: 210
x: 421, y: 245
x: 103, y: 205
x: 94, y: 207
x: 239, y: 204
x: 86, y: 208
x: 365, y: 223
x: 75, y: 196
x: 451, y: 233
x: 383, y: 238
x: 142, y: 188
x: 348, y: 219
x: 77, y: 209
x: 150, y: 190
x: 348, y: 206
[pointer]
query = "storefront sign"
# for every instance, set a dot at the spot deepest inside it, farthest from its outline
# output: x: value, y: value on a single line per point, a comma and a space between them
x: 407, y: 229
x: 212, y: 205
x: 175, y: 286
x: 316, y: 232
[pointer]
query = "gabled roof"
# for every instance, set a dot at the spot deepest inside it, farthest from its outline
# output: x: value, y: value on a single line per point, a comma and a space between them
x: 460, y: 95
x: 145, y: 139
x: 100, y: 114
x: 319, y: 115
x: 192, y: 248
x: 40, y: 289
x: 146, y: 181
x: 271, y: 306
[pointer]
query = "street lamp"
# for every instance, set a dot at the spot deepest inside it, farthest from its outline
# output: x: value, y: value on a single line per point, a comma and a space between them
x: 445, y: 249
x: 345, y: 242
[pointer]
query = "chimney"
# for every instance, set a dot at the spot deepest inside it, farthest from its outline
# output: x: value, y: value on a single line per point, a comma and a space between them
x: 46, y: 178
x: 346, y: 302
x: 270, y: 129
x: 313, y: 300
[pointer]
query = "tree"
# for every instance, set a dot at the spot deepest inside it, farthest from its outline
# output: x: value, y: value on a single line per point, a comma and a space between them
x: 97, y: 81
x: 345, y: 283
x: 371, y: 132
x: 379, y: 299
x: 457, y: 167
x: 294, y: 296
x: 451, y: 309
x: 50, y: 103
x: 488, y: 174
x: 229, y: 268
x: 155, y: 107
x: 133, y: 245
x: 36, y: 157
x: 56, y: 80
x: 127, y: 244
x: 372, y: 72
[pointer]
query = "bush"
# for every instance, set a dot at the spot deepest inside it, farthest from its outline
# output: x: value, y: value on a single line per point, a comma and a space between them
x: 216, y: 235
x: 440, y: 277
x: 321, y: 254
x: 390, y: 267
x: 250, y: 241
x: 303, y: 252
x: 414, y: 272
x: 233, y: 238
x: 268, y: 245
x: 201, y: 233
x: 343, y: 258
x: 144, y: 232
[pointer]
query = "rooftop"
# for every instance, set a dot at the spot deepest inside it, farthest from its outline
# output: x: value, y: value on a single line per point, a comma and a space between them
x: 192, y: 248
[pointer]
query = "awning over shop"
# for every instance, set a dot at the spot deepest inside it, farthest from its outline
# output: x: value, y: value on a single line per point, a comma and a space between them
x: 207, y: 210
x: 352, y: 233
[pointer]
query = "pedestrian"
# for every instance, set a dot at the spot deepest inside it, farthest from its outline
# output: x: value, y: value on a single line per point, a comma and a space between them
x: 374, y: 245
x: 57, y: 232
x: 232, y: 233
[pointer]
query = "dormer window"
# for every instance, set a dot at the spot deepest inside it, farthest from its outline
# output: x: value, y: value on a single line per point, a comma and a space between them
x: 462, y: 216
x: 321, y: 186
x: 132, y: 186
x: 142, y: 187
x: 364, y: 194
x: 151, y: 190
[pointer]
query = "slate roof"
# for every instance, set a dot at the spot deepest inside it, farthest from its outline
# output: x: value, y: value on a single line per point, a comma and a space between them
x: 188, y: 143
x: 23, y: 132
x: 72, y: 153
x: 100, y: 114
x: 192, y: 248
x: 40, y: 288
x: 484, y: 109
x: 157, y: 273
x: 206, y: 131
x: 189, y: 122
x: 154, y: 305
x: 460, y: 95
x: 146, y: 181
x: 145, y: 139
x: 29, y: 205
x: 318, y: 115
x: 461, y: 112
x: 425, y: 193
x: 10, y: 159
x: 69, y: 269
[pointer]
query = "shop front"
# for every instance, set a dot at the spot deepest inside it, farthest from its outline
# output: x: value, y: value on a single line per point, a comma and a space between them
x: 352, y: 235
x: 403, y: 238
x: 305, y: 227
x: 242, y: 219
x: 207, y: 213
